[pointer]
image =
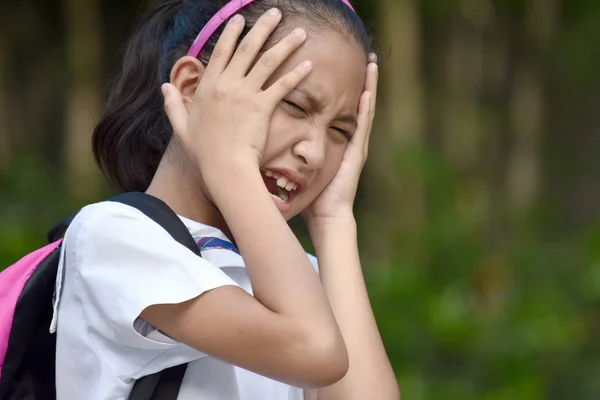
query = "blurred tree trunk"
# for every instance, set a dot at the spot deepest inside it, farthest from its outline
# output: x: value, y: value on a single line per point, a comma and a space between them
x: 83, y: 108
x: 463, y: 121
x: 5, y: 149
x: 394, y: 186
x: 463, y: 74
x: 524, y: 160
x: 474, y: 67
x: 528, y: 108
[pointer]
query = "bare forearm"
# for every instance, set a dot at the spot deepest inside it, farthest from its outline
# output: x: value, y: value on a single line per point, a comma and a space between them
x: 370, y: 374
x: 281, y: 274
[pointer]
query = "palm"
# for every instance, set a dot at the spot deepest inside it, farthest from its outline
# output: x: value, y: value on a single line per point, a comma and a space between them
x: 338, y: 197
x: 341, y: 191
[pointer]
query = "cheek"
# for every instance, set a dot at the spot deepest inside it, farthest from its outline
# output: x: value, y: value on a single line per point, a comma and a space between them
x: 335, y: 155
x: 280, y: 134
x: 334, y: 160
x: 324, y: 177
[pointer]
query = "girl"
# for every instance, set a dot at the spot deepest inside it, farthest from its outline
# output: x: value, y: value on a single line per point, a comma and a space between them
x: 256, y: 131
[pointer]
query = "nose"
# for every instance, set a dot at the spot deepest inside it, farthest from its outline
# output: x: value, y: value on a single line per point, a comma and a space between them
x: 311, y: 149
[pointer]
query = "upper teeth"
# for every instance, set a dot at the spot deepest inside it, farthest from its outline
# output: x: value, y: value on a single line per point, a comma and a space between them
x: 282, y: 181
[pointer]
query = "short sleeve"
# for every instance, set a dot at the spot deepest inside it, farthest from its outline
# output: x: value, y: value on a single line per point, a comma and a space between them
x: 122, y: 263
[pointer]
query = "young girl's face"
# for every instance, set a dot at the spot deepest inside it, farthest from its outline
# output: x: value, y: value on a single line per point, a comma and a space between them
x: 310, y: 129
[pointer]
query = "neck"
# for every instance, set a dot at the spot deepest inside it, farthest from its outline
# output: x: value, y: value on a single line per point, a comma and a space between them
x: 185, y: 193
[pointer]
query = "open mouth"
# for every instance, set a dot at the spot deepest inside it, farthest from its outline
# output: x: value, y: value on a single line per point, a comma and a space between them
x: 280, y: 187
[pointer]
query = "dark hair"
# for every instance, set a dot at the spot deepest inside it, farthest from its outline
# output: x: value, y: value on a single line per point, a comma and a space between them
x: 134, y: 132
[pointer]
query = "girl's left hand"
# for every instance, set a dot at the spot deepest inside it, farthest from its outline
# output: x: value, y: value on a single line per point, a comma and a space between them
x: 337, y: 200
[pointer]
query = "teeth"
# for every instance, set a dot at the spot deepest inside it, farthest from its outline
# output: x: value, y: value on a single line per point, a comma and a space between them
x: 271, y: 174
x: 282, y: 182
x: 281, y: 196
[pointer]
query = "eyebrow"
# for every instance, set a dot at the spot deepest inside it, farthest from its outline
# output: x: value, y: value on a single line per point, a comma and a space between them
x: 318, y: 105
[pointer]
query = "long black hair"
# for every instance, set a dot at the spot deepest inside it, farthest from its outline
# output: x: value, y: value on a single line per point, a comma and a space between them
x: 134, y: 132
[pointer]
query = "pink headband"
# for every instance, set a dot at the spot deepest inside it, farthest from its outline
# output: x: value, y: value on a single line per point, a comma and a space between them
x: 223, y: 15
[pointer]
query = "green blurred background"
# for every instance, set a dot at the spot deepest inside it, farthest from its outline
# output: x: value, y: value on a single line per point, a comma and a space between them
x: 479, y: 223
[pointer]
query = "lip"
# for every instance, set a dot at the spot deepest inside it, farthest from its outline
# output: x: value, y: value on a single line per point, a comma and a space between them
x: 291, y: 176
x: 281, y: 206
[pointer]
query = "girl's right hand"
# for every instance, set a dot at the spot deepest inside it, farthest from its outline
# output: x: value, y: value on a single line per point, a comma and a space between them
x: 230, y: 114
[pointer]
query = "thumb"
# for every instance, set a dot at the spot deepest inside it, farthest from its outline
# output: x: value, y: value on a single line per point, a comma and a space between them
x: 175, y: 109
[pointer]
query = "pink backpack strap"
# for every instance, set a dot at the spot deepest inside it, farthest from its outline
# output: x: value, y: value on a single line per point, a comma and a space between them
x: 12, y: 282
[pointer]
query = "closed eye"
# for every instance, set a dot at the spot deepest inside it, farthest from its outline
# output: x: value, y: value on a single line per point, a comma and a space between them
x: 345, y: 133
x: 294, y: 106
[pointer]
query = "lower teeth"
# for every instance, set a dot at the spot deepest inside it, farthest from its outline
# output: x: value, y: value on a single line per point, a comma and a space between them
x: 281, y: 196
x: 276, y: 197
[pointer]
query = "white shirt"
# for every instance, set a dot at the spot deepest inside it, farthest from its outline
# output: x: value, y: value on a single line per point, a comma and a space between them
x: 116, y: 262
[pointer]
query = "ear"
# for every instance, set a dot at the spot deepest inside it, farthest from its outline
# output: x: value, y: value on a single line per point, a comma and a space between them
x: 185, y: 76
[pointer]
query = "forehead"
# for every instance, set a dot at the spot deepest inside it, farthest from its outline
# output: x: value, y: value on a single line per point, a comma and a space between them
x: 339, y: 67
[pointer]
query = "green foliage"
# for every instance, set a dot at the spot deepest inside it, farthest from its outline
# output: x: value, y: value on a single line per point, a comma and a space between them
x: 463, y: 319
x: 33, y: 200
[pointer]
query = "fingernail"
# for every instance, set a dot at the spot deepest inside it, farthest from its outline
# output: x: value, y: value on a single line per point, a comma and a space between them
x: 237, y: 18
x: 274, y: 11
x: 299, y: 32
x: 163, y: 89
x: 306, y: 64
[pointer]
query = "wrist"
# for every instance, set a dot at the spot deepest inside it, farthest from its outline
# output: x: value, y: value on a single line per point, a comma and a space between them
x: 220, y: 162
x: 228, y: 165
x: 343, y: 216
x: 230, y: 175
x: 321, y: 227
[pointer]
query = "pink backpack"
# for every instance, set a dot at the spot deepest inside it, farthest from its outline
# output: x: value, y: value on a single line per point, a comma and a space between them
x: 28, y: 349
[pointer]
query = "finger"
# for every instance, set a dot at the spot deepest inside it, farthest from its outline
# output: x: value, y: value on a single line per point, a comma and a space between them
x: 373, y: 58
x: 372, y: 79
x: 362, y: 125
x: 248, y: 50
x: 225, y: 46
x: 273, y: 58
x: 371, y: 86
x: 288, y: 82
x: 175, y: 109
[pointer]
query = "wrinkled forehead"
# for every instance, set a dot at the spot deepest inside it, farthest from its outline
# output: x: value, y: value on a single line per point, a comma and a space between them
x: 339, y: 67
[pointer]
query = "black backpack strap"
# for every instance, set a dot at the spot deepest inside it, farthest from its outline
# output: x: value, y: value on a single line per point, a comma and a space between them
x: 58, y: 231
x: 163, y: 385
x: 159, y: 212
